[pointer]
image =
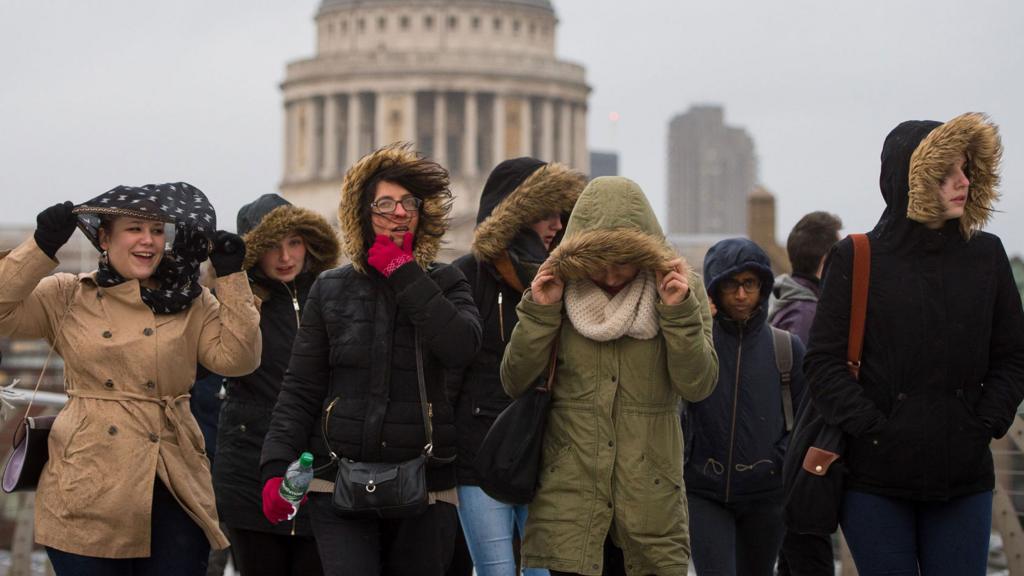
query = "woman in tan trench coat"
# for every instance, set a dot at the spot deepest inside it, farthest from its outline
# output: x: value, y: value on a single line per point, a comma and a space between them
x: 127, y: 486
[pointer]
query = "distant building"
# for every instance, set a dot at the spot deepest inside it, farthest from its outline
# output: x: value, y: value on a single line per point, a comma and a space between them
x: 711, y: 171
x: 604, y: 164
x: 1017, y: 265
x: 761, y: 228
x: 468, y: 82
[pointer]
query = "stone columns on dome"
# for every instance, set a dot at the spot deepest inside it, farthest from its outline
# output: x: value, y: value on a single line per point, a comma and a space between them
x: 469, y: 156
x: 354, y: 146
x: 329, y: 165
x: 547, y: 122
x: 440, y: 129
x: 526, y: 122
x: 498, y: 138
x: 565, y: 154
x: 582, y: 160
x: 289, y: 140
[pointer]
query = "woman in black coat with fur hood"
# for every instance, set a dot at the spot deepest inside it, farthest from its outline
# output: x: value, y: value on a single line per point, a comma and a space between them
x: 352, y: 389
x: 943, y: 363
x: 288, y: 247
x: 523, y: 208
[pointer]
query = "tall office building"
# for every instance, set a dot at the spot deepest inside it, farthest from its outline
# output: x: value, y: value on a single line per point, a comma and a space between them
x: 712, y: 170
x: 468, y: 82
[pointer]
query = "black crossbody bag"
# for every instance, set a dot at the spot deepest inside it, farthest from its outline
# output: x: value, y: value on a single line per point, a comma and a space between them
x: 384, y: 489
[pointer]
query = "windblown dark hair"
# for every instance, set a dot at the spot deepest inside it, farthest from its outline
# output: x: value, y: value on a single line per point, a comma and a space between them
x: 810, y: 240
x: 424, y: 179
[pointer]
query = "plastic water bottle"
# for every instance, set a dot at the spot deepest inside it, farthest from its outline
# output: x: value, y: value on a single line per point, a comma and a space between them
x: 296, y: 481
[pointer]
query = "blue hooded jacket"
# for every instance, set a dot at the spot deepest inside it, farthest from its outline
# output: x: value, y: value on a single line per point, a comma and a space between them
x: 736, y: 438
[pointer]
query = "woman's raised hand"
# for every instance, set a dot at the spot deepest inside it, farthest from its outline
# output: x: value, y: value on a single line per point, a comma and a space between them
x: 54, y: 226
x: 546, y: 288
x: 673, y: 286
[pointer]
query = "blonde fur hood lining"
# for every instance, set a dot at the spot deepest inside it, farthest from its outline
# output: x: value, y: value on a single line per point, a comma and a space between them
x: 433, y: 218
x: 970, y: 133
x: 593, y: 250
x: 322, y: 247
x: 551, y: 188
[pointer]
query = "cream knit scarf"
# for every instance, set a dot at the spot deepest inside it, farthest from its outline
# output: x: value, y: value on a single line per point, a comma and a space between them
x: 601, y: 317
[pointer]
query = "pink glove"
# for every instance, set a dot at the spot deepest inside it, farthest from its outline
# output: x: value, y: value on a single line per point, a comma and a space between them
x: 275, y: 508
x: 387, y: 257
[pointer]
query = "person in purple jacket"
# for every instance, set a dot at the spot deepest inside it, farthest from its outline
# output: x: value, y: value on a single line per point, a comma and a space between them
x: 792, y: 305
x: 794, y: 297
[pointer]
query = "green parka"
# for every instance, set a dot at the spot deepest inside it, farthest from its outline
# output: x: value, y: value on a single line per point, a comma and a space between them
x: 613, y: 448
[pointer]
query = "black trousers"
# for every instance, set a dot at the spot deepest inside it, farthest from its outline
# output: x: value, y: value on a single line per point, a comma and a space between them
x: 265, y: 554
x: 420, y: 545
x: 806, y: 555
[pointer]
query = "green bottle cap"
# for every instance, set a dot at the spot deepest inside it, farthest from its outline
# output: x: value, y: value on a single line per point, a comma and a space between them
x: 306, y: 460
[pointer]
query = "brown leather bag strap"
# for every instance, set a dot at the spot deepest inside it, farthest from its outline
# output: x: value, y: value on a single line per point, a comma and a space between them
x: 858, y: 301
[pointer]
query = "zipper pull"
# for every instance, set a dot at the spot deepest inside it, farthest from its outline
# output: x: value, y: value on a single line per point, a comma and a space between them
x: 430, y: 409
x: 295, y: 303
x: 501, y: 318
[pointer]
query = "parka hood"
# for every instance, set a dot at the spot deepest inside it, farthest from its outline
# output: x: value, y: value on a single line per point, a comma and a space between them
x: 612, y: 223
x: 354, y: 213
x: 517, y: 193
x: 732, y: 256
x: 264, y: 222
x: 916, y: 157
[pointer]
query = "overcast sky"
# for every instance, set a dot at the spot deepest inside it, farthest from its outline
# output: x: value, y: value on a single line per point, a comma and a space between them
x: 95, y: 94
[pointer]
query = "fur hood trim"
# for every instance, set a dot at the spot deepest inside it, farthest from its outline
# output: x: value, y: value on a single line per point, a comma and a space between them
x: 972, y: 134
x: 433, y: 218
x: 593, y: 250
x: 551, y: 188
x: 322, y: 247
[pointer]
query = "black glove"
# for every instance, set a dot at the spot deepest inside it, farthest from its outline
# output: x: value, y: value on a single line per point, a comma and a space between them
x: 54, y: 226
x: 228, y: 253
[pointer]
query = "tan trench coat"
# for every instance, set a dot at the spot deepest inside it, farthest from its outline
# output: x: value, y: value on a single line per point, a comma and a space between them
x: 127, y: 421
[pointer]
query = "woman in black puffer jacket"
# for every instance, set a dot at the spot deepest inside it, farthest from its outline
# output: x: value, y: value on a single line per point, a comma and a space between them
x: 288, y: 247
x: 351, y: 388
x: 523, y: 208
x: 942, y: 371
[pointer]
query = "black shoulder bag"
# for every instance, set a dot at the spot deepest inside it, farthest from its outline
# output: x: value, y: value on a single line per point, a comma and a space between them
x: 384, y: 489
x: 508, y: 461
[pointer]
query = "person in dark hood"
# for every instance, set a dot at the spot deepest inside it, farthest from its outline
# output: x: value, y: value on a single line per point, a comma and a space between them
x: 522, y: 209
x: 127, y: 489
x: 794, y: 297
x: 352, y: 389
x: 736, y: 437
x: 288, y: 247
x: 942, y: 371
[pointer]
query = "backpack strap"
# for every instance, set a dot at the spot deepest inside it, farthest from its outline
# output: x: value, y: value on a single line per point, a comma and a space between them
x: 784, y: 362
x: 858, y: 301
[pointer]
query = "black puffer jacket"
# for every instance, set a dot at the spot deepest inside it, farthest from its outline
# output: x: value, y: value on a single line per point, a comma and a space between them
x: 245, y: 414
x: 943, y: 362
x: 518, y: 193
x: 355, y: 352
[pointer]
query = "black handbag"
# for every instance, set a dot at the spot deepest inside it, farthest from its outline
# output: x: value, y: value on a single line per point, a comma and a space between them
x: 385, y: 489
x: 814, y: 471
x: 508, y: 461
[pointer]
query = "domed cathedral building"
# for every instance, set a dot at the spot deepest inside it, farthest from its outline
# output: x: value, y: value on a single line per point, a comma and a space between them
x: 468, y: 82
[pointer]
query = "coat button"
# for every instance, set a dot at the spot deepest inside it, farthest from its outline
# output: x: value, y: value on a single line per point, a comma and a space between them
x: 148, y: 331
x: 613, y: 378
x: 150, y: 384
x: 657, y: 480
x: 241, y: 428
x: 109, y: 383
x: 112, y: 430
x: 107, y: 334
x: 476, y: 410
x: 817, y: 468
x: 609, y: 504
x: 383, y: 443
x: 610, y: 443
x: 153, y: 437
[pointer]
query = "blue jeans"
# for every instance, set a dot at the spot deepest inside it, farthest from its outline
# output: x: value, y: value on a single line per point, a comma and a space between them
x: 488, y: 526
x: 901, y: 537
x: 178, y: 547
x: 736, y: 538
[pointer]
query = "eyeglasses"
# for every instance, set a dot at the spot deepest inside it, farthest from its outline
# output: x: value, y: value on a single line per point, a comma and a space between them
x: 387, y: 205
x: 731, y: 286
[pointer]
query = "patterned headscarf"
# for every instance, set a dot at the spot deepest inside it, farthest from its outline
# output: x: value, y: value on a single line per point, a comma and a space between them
x: 187, y: 247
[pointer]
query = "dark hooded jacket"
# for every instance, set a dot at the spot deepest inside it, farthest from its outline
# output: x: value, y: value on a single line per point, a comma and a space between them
x: 245, y: 414
x: 792, y: 304
x: 354, y: 359
x: 518, y: 193
x: 943, y: 363
x: 736, y: 437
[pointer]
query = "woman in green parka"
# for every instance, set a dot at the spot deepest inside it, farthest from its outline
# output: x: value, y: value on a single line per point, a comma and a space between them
x: 634, y: 336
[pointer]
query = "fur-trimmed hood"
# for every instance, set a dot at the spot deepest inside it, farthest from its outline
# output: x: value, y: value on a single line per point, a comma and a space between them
x: 612, y: 223
x: 264, y: 222
x: 517, y: 193
x: 354, y: 212
x: 916, y: 157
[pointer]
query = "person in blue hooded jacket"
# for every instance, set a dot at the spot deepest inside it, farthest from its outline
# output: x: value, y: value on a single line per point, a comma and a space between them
x: 736, y: 437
